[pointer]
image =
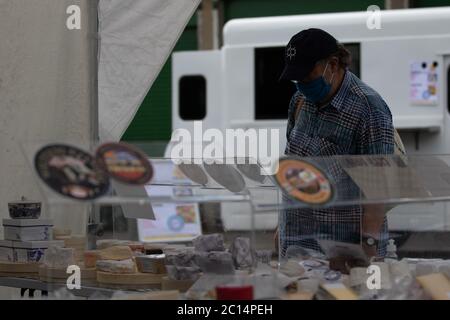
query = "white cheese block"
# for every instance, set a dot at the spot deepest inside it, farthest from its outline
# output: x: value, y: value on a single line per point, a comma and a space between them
x: 425, y: 268
x: 400, y: 270
x: 113, y: 266
x: 56, y: 257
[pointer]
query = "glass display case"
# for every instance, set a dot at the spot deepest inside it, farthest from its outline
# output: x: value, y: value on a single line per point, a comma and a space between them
x: 348, y: 227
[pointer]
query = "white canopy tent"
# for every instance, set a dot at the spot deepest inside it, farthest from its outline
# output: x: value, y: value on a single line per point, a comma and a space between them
x: 76, y: 85
x: 48, y: 74
x: 136, y: 37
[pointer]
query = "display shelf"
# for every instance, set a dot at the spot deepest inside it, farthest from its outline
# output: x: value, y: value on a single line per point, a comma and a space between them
x: 302, y: 194
x: 84, y: 291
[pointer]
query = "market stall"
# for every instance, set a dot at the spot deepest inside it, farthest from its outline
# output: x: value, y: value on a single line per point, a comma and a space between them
x: 172, y: 255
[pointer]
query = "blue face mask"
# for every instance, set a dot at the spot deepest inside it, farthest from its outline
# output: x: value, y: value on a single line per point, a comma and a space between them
x: 317, y: 89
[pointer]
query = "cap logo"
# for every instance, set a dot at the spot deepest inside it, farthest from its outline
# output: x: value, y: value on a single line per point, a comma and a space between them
x: 291, y: 52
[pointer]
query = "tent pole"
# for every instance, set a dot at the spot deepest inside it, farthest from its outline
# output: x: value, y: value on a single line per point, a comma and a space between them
x: 94, y: 47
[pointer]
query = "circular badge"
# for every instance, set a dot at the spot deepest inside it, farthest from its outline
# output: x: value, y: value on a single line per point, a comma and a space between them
x: 124, y: 163
x: 303, y: 181
x: 71, y: 172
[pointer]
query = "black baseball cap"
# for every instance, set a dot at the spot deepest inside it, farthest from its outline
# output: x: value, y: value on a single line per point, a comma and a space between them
x: 304, y: 50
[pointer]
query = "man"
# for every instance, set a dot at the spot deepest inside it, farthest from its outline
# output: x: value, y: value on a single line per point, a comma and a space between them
x: 333, y: 113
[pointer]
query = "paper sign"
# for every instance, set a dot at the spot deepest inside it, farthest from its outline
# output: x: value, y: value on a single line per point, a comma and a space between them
x: 174, y: 222
x: 424, y: 82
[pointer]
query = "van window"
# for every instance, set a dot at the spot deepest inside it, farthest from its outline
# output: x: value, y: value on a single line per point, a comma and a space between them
x: 272, y: 97
x: 192, y: 97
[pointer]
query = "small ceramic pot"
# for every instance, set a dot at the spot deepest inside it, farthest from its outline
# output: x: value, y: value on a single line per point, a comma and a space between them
x: 24, y: 209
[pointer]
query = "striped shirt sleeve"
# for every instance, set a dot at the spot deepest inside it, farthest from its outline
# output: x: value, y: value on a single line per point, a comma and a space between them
x: 376, y: 131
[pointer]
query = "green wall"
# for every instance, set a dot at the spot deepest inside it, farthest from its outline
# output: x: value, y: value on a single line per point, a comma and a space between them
x: 258, y: 8
x: 429, y: 3
x: 153, y: 119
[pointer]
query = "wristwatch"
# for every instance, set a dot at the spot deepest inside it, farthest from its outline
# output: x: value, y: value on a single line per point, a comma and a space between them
x: 370, y: 241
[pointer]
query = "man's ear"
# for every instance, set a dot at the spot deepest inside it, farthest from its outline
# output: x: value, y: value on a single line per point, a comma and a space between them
x: 334, y: 64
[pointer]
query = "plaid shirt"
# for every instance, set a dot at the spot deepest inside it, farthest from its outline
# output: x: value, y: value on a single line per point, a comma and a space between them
x: 356, y: 121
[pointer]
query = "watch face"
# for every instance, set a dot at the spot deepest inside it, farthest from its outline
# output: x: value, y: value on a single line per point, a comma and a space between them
x: 71, y: 172
x: 124, y: 163
x: 370, y: 241
x: 303, y: 181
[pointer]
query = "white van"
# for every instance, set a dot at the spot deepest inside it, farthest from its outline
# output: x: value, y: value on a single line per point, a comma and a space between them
x: 407, y: 61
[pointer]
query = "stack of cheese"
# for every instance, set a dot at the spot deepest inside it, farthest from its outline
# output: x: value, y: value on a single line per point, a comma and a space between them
x: 111, y: 250
x: 117, y: 259
x: 116, y: 265
x: 78, y: 243
x: 26, y: 240
x: 185, y: 265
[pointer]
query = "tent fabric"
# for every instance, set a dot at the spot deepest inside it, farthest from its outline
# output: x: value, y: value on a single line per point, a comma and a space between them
x: 136, y: 38
x: 47, y: 90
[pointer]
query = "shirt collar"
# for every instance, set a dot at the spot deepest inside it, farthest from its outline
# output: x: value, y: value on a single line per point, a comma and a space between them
x: 339, y: 98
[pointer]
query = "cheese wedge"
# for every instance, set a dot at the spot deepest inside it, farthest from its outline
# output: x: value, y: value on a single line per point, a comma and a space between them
x: 436, y: 285
x: 340, y: 291
x: 112, y: 266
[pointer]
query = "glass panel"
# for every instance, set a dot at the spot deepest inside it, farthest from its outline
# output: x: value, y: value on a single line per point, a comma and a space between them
x: 325, y: 209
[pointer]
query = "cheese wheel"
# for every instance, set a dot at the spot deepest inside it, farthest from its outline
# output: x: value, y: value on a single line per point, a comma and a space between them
x: 116, y: 253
